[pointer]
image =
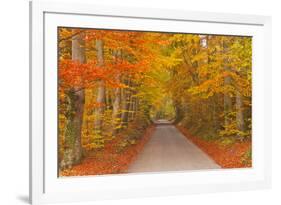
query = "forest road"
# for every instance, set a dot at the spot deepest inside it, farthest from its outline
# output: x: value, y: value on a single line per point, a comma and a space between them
x: 169, y: 150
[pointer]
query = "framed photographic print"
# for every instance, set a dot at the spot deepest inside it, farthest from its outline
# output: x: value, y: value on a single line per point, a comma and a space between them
x: 129, y: 102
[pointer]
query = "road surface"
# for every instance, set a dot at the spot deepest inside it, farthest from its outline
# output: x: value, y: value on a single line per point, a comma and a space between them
x: 169, y: 150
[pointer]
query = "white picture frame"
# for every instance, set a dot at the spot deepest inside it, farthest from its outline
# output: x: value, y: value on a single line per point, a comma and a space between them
x: 45, y: 187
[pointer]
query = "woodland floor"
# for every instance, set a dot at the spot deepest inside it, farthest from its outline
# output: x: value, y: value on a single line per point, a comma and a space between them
x: 109, y: 160
x: 164, y: 147
x: 227, y: 156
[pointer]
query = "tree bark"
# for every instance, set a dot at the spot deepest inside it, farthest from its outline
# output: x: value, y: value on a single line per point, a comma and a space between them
x: 131, y: 108
x: 117, y: 97
x: 239, y: 112
x: 227, y: 102
x: 126, y: 103
x: 227, y: 82
x: 134, y: 108
x: 101, y: 89
x: 76, y: 98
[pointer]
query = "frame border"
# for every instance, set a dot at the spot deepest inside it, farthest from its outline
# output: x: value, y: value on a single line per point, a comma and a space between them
x: 36, y: 83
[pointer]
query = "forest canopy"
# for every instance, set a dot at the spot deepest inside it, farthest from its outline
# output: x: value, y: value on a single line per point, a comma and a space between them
x: 116, y: 83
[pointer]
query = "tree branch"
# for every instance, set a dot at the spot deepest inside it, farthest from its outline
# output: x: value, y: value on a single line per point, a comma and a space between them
x: 69, y: 37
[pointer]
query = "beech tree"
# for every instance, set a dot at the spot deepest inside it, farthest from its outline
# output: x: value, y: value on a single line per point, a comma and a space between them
x: 114, y: 84
x: 75, y: 99
x: 101, y: 88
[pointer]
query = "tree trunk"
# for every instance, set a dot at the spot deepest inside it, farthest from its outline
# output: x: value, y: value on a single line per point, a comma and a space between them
x: 227, y: 82
x: 76, y: 98
x: 117, y: 98
x: 239, y: 112
x: 126, y: 103
x: 131, y: 108
x: 227, y: 102
x: 134, y: 107
x: 101, y: 90
x: 116, y: 107
x: 215, y: 111
x: 108, y: 99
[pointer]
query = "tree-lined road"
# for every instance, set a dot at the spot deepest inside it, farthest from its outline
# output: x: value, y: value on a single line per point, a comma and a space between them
x: 170, y: 150
x: 113, y: 83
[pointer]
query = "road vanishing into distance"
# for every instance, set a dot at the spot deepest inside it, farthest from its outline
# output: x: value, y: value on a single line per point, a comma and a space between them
x: 169, y: 150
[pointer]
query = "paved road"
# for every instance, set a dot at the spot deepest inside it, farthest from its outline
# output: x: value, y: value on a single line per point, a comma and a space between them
x: 169, y: 150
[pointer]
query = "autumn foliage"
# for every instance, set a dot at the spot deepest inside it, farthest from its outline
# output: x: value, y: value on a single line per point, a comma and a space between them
x: 114, y: 84
x: 233, y: 155
x: 110, y: 160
